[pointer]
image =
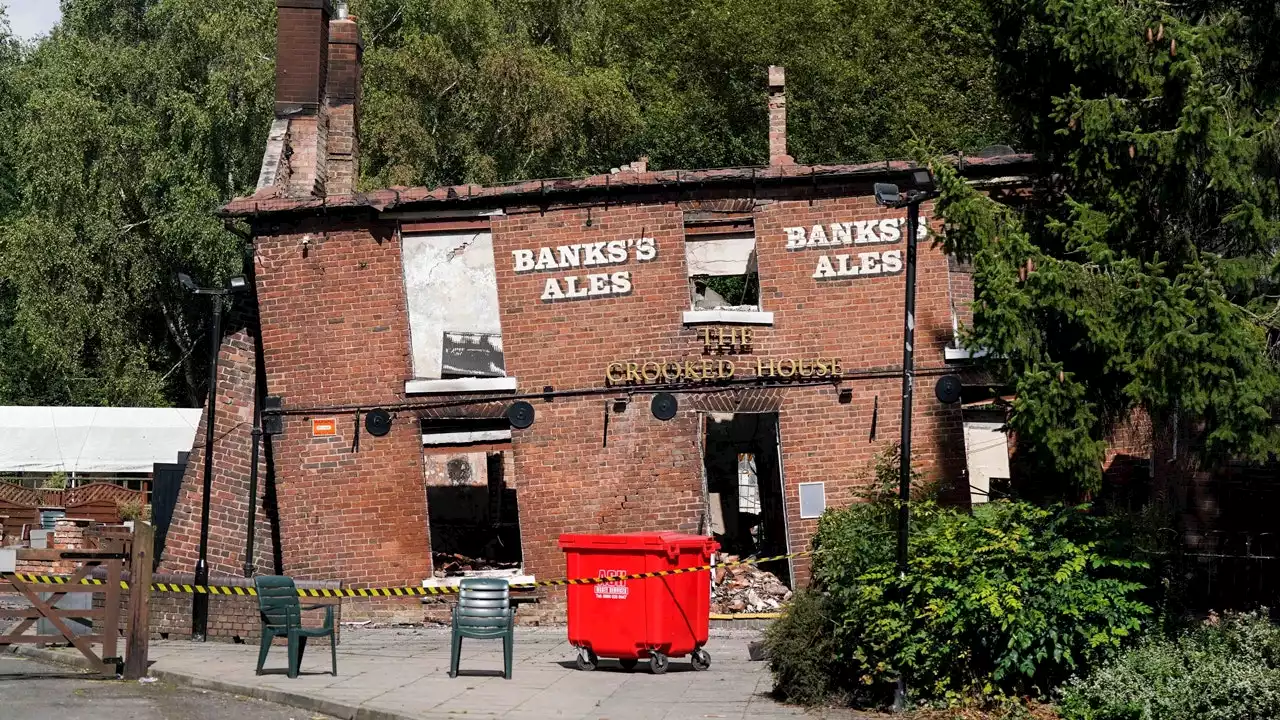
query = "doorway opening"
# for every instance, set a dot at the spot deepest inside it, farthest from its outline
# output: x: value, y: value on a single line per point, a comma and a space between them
x: 473, y: 511
x: 744, y: 487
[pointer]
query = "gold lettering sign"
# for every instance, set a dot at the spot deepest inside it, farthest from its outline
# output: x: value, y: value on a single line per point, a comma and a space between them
x: 708, y: 370
x: 726, y: 340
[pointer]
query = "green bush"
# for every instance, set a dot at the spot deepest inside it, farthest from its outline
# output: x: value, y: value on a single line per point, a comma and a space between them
x: 1011, y: 599
x: 801, y: 653
x: 1226, y: 669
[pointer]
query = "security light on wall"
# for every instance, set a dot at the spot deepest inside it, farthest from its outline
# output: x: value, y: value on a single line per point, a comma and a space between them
x: 922, y: 179
x: 887, y: 194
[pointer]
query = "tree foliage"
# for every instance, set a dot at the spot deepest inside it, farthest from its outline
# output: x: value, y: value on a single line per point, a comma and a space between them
x: 506, y: 89
x: 128, y: 126
x: 1142, y: 273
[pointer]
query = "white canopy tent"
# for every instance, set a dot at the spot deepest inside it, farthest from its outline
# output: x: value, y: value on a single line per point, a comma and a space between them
x: 93, y: 439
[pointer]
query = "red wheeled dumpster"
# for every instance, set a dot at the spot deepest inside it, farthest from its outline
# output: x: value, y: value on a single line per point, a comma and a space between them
x: 656, y: 618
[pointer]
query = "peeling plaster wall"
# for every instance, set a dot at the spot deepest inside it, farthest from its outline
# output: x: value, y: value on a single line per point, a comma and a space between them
x: 451, y: 287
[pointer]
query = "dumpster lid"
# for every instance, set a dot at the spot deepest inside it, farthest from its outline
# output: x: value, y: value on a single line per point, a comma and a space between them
x: 634, y: 541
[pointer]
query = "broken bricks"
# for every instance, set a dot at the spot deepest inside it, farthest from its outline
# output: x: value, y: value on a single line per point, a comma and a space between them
x: 747, y: 589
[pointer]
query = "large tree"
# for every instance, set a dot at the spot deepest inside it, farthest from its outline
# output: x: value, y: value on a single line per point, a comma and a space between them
x: 127, y: 127
x: 1141, y: 274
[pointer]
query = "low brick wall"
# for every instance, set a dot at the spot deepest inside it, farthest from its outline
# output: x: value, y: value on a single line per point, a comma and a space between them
x: 232, y: 618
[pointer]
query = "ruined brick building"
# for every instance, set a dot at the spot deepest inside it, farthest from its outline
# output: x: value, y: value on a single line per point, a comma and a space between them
x: 766, y: 301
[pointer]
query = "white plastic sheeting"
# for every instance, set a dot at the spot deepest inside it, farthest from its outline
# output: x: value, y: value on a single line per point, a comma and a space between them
x: 93, y: 439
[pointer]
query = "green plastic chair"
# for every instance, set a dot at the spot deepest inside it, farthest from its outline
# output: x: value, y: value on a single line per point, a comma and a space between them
x: 483, y: 612
x: 282, y: 617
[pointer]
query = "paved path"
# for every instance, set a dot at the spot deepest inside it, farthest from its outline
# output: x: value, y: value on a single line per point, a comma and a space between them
x: 33, y: 691
x: 403, y: 673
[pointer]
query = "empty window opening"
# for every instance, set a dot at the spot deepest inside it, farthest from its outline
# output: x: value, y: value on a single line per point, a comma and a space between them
x: 986, y: 445
x: 722, y: 272
x: 473, y: 511
x: 744, y: 487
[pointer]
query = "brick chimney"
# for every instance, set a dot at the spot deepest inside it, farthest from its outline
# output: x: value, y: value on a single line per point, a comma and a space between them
x: 778, y: 116
x: 311, y: 150
x: 343, y: 104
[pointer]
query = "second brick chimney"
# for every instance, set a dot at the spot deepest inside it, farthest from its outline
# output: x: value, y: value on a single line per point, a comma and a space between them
x: 312, y: 148
x: 778, y: 116
x: 343, y: 104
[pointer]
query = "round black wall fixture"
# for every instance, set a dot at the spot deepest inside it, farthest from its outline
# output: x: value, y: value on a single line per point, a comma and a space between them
x: 377, y: 422
x: 664, y: 406
x: 520, y: 414
x: 948, y: 389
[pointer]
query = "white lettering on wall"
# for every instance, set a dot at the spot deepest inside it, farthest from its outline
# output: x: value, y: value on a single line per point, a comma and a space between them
x: 859, y: 232
x: 830, y: 267
x: 585, y: 255
x: 854, y: 233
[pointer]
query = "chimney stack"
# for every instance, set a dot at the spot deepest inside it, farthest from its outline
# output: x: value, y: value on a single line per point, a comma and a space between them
x: 311, y: 150
x: 778, y: 117
x: 343, y: 104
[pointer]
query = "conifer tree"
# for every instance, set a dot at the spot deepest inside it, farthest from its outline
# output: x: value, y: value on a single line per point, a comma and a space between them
x: 1140, y: 275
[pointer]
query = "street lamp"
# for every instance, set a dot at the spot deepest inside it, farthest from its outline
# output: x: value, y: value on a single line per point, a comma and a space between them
x: 200, y: 600
x: 887, y: 195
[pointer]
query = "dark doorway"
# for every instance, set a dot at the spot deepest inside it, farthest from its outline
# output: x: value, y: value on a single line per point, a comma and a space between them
x: 472, y: 511
x: 744, y: 487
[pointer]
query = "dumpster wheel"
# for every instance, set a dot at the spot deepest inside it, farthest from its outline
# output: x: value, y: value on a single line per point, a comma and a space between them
x: 587, y: 660
x: 701, y: 659
x: 658, y: 662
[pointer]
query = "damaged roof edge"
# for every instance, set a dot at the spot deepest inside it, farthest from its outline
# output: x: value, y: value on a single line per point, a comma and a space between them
x: 269, y: 202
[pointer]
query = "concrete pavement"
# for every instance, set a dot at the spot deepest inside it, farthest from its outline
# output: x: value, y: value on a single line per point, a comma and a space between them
x: 34, y: 691
x: 402, y: 673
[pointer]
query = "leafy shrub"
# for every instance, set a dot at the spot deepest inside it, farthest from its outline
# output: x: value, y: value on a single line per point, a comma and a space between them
x: 801, y: 653
x: 130, y: 510
x: 1226, y: 669
x: 1011, y: 599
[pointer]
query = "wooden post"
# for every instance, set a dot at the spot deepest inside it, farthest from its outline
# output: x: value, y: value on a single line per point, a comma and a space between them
x: 139, y: 641
x: 111, y: 623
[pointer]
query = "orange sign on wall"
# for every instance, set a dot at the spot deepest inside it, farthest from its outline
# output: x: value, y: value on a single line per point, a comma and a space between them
x: 324, y: 427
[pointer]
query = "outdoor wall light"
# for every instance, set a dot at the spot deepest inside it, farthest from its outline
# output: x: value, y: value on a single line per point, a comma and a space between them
x: 886, y: 194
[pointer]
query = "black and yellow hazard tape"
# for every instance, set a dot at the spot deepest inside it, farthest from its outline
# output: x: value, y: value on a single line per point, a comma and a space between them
x: 410, y: 591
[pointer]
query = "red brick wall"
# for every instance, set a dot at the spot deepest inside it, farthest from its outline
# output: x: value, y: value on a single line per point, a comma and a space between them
x: 229, y: 499
x: 336, y: 332
x: 649, y: 475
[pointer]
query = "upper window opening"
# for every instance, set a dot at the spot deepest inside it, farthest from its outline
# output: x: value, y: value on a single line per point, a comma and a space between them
x: 452, y: 292
x: 722, y: 268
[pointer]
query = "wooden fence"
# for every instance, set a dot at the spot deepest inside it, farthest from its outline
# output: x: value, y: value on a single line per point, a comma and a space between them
x: 112, y: 554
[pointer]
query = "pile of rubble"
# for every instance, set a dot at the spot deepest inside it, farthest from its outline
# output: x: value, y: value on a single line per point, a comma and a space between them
x: 746, y: 589
x: 451, y: 565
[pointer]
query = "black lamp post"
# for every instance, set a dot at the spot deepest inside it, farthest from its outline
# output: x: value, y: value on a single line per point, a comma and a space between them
x: 200, y: 601
x: 887, y: 195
